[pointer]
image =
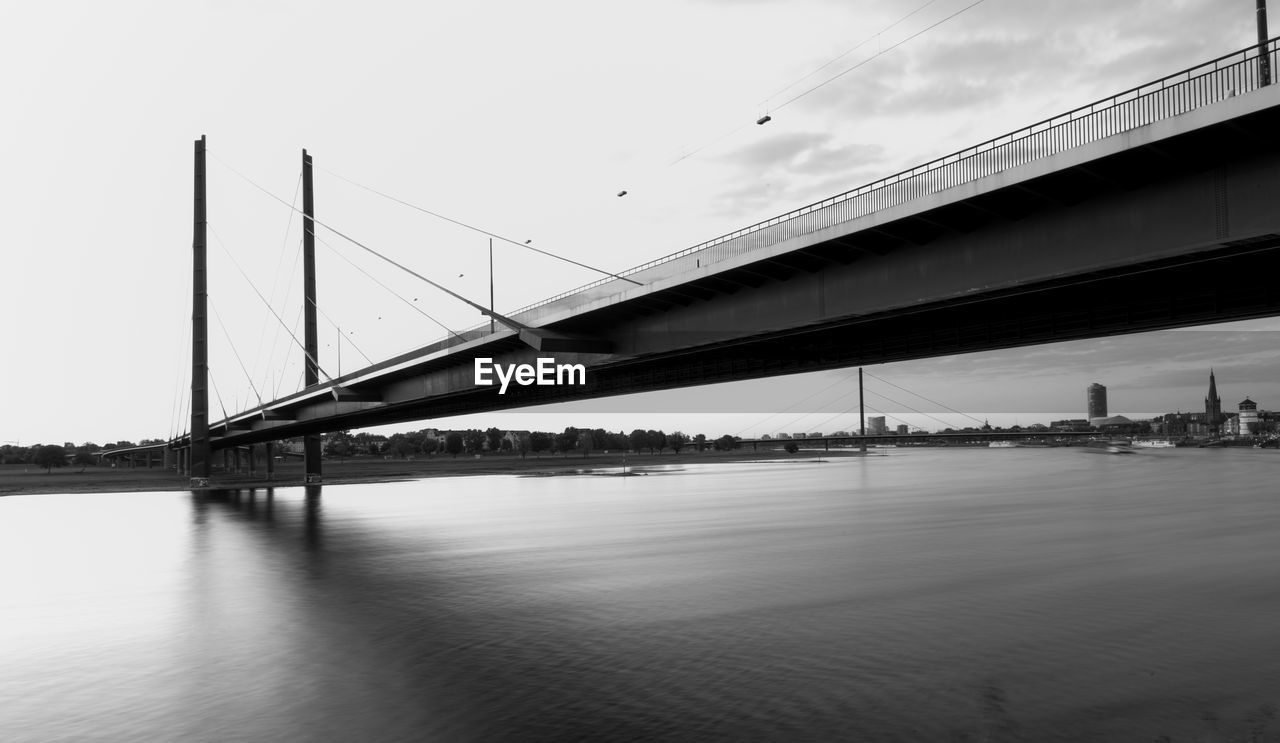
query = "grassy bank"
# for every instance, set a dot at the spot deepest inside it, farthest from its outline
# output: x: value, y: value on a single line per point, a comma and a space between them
x: 19, y: 480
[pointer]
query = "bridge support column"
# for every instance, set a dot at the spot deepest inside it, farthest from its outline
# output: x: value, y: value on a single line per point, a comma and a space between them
x: 226, y: 461
x: 199, y: 451
x: 271, y: 460
x: 150, y: 460
x: 237, y: 459
x: 167, y: 459
x: 310, y: 444
x: 253, y: 469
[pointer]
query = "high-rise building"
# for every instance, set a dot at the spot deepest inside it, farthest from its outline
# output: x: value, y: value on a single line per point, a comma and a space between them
x: 876, y: 426
x: 1213, y: 406
x: 1097, y: 401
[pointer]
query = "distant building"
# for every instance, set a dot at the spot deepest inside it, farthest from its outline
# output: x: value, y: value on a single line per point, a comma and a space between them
x: 1213, y: 406
x: 902, y: 429
x: 784, y: 435
x: 876, y: 426
x: 1248, y: 417
x: 1097, y: 401
x: 1074, y: 424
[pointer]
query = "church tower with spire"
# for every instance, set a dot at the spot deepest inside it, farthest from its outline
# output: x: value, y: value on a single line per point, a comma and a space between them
x: 1213, y: 406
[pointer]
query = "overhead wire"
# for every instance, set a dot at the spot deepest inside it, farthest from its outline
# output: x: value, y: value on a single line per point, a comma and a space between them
x: 845, y: 53
x: 877, y: 55
x: 837, y: 76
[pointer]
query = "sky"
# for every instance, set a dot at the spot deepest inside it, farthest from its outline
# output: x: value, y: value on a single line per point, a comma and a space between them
x: 522, y: 120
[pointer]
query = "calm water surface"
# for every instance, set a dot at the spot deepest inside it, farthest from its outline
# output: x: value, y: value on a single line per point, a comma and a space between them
x: 979, y: 595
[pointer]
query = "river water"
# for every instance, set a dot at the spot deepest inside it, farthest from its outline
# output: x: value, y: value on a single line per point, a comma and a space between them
x: 924, y: 595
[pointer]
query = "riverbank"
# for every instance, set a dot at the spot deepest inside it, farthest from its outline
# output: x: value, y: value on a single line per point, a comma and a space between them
x: 16, y: 479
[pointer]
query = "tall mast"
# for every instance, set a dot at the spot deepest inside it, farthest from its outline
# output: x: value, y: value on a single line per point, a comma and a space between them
x: 311, y: 342
x: 199, y: 470
x: 1264, y: 60
x: 862, y: 413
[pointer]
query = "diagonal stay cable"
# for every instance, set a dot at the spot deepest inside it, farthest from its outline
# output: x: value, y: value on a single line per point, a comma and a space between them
x: 460, y: 223
x: 483, y: 310
x: 845, y: 53
x: 218, y: 395
x: 236, y: 263
x: 908, y: 407
x: 234, y: 352
x: 794, y: 405
x: 297, y: 320
x: 339, y: 329
x: 393, y: 292
x: 275, y: 282
x: 922, y: 397
x: 875, y: 56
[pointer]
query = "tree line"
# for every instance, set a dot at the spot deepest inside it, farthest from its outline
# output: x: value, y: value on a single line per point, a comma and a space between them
x: 523, y: 443
x: 419, y: 443
x: 49, y: 456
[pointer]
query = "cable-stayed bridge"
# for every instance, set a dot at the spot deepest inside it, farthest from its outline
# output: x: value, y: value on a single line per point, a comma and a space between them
x: 1153, y: 208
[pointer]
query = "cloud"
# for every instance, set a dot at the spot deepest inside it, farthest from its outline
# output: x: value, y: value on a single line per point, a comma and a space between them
x: 791, y: 169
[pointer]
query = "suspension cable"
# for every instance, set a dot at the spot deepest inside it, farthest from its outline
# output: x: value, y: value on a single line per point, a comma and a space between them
x: 460, y: 223
x: 922, y: 397
x: 275, y: 282
x: 908, y: 407
x: 393, y: 292
x: 483, y: 310
x: 214, y: 383
x: 236, y: 353
x: 878, y: 54
x: 795, y: 405
x: 339, y: 329
x: 236, y: 263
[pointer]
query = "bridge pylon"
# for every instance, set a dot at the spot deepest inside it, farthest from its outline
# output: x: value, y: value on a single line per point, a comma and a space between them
x: 200, y: 449
x: 310, y: 442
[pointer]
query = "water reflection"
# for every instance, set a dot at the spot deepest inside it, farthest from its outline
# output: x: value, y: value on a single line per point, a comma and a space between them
x: 913, y: 597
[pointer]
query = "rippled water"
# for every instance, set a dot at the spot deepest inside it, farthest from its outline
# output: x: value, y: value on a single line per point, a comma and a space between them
x: 975, y: 595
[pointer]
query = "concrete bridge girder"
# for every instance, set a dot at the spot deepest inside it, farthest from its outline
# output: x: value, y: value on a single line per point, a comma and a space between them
x: 1031, y: 254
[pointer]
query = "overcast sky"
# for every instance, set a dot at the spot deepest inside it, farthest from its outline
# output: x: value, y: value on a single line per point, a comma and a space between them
x: 525, y: 120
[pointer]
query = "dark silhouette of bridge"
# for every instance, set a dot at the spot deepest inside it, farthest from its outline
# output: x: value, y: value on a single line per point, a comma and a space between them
x: 1151, y: 209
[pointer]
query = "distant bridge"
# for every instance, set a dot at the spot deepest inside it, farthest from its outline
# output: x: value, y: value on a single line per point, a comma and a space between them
x: 1154, y: 208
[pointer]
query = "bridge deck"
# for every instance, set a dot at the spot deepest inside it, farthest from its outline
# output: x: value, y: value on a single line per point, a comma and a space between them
x: 1025, y: 238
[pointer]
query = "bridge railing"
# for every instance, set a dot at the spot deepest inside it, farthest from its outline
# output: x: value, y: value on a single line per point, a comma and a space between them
x: 1179, y: 93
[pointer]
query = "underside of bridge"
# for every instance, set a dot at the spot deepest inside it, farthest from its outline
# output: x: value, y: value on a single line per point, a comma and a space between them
x: 1179, y: 230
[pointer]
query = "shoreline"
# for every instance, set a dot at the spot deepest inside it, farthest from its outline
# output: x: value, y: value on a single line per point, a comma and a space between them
x: 21, y: 480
